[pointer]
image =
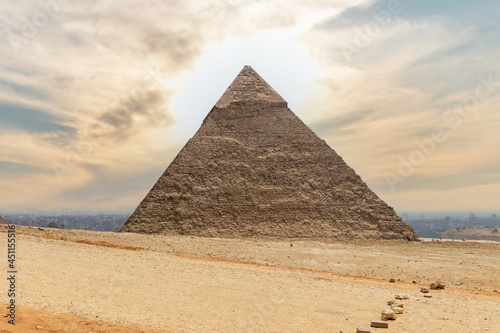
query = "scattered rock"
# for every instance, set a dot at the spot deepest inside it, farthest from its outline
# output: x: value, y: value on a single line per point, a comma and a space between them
x: 402, y: 296
x: 428, y: 295
x: 39, y: 327
x: 388, y: 314
x: 424, y: 290
x: 380, y: 324
x: 363, y: 330
x: 392, y: 280
x: 393, y: 303
x: 398, y: 310
x: 434, y: 286
x: 440, y: 285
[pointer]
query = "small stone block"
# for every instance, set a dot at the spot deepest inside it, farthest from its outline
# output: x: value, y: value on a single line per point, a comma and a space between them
x: 428, y: 296
x: 440, y: 285
x: 388, y: 314
x: 363, y: 330
x: 395, y: 303
x: 380, y: 324
x: 398, y: 310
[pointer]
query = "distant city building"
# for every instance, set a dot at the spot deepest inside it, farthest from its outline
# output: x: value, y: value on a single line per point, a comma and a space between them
x: 472, y: 218
x: 447, y: 220
x: 494, y: 216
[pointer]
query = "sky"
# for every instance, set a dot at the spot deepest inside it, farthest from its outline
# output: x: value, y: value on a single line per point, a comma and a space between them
x: 97, y: 98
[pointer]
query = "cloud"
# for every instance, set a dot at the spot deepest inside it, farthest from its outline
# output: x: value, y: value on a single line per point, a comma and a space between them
x: 14, y: 117
x: 105, y: 188
x: 94, y: 86
x: 348, y: 123
x: 10, y: 168
x: 408, y: 73
x: 144, y: 106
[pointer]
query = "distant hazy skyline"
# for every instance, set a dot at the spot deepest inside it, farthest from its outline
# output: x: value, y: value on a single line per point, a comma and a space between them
x: 96, y: 99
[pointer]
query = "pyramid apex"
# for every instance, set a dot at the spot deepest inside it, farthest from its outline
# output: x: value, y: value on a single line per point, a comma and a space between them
x: 250, y: 87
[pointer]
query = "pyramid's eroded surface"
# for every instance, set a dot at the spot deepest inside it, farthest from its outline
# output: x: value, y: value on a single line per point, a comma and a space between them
x: 255, y: 169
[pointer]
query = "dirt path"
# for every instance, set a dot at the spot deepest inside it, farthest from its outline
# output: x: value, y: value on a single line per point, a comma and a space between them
x: 166, y: 287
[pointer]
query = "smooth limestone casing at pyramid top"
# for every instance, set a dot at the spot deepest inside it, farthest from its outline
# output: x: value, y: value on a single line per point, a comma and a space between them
x: 255, y: 169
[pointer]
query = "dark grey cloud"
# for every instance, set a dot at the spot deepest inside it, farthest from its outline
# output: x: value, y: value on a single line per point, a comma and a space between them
x: 120, y: 121
x: 180, y: 48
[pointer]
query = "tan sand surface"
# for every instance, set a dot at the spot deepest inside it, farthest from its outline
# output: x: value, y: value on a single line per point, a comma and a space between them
x: 191, y: 284
x: 42, y: 321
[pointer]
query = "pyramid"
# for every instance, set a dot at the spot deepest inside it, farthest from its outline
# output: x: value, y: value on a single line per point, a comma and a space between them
x: 54, y: 224
x: 254, y: 169
x: 2, y: 220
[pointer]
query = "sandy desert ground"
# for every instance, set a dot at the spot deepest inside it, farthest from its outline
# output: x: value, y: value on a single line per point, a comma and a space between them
x: 78, y: 281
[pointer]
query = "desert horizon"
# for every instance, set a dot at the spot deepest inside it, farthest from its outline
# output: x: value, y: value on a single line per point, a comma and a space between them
x: 250, y: 166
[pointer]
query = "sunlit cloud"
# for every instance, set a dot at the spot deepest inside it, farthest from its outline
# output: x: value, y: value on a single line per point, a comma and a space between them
x: 96, y: 98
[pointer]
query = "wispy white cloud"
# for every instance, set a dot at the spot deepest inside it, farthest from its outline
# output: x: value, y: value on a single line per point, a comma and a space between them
x: 111, y: 73
x: 394, y: 90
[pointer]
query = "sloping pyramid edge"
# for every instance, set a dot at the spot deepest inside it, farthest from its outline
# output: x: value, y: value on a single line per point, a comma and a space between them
x: 255, y: 169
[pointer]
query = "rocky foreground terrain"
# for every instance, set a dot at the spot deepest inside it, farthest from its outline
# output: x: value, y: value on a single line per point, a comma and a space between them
x: 82, y: 281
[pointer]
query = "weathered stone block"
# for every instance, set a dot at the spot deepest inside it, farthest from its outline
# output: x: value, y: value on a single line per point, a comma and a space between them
x: 380, y: 324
